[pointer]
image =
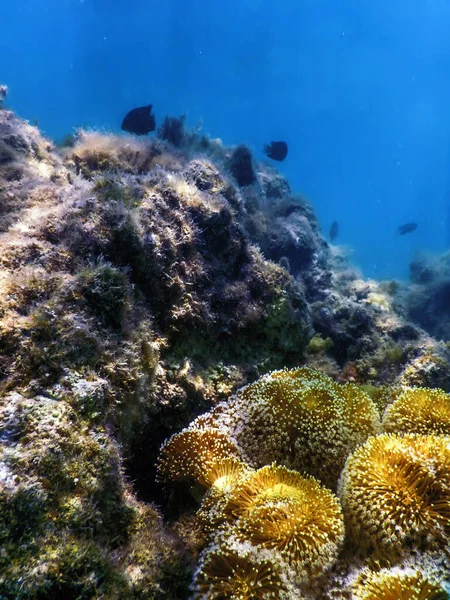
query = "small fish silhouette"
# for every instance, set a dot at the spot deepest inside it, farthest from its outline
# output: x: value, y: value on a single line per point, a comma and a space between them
x: 139, y: 120
x: 407, y: 228
x: 334, y: 230
x: 276, y: 150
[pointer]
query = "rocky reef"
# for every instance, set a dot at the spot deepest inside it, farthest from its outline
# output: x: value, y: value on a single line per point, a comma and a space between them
x: 144, y: 282
x: 426, y: 298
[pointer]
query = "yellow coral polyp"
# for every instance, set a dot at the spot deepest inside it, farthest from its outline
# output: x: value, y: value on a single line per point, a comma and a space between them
x: 224, y: 475
x: 419, y: 410
x: 196, y: 455
x: 281, y: 510
x: 388, y: 585
x: 234, y: 570
x: 302, y: 419
x: 395, y: 492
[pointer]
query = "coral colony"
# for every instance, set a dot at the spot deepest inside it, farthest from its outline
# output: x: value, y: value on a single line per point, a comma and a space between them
x: 168, y: 301
x: 294, y: 518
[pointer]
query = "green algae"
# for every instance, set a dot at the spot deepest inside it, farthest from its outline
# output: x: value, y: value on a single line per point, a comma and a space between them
x: 319, y: 345
x: 106, y: 290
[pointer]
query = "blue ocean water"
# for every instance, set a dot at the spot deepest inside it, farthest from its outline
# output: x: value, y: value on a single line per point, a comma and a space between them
x: 360, y: 90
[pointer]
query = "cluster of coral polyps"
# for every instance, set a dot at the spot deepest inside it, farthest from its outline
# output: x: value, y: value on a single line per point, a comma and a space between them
x: 313, y: 491
x: 396, y: 585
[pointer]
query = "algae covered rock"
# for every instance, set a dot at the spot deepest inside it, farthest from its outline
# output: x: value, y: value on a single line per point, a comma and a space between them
x: 131, y: 296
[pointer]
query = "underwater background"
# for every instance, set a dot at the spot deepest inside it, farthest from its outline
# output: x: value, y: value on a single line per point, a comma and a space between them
x: 360, y: 91
x: 202, y: 396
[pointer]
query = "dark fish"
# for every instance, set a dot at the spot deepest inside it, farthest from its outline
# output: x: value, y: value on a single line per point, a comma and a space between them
x: 407, y: 228
x: 334, y: 230
x: 139, y: 120
x: 276, y: 150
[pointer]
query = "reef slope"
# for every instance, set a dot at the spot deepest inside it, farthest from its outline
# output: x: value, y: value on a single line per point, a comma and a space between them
x: 141, y: 284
